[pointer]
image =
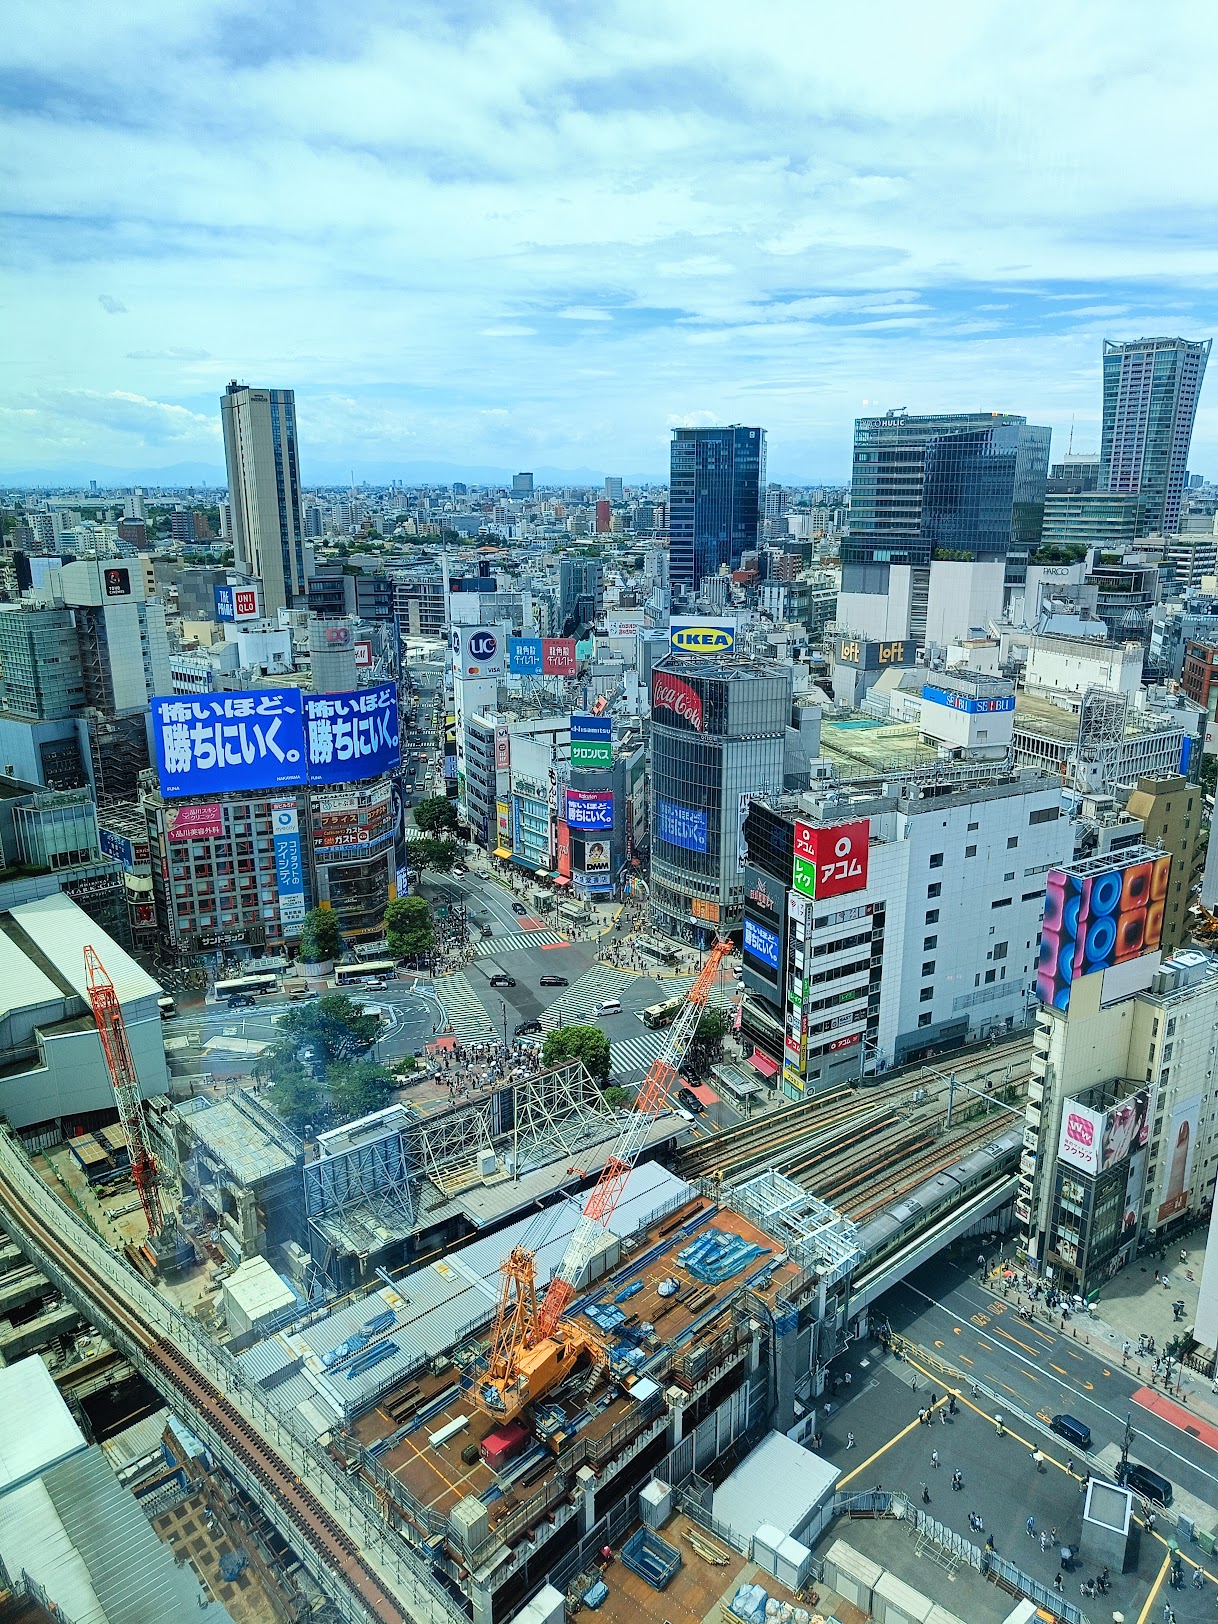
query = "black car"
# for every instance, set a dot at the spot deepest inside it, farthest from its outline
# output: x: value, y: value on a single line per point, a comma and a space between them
x: 519, y: 908
x: 523, y: 1028
x: 690, y: 1101
x: 553, y: 981
x: 240, y: 1000
x: 503, y: 981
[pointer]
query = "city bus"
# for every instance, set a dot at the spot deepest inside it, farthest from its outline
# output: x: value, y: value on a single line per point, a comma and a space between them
x: 247, y: 987
x: 663, y: 1014
x: 347, y: 975
x: 167, y: 1007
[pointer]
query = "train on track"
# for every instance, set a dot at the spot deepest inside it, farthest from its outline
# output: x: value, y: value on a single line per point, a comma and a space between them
x: 881, y: 1235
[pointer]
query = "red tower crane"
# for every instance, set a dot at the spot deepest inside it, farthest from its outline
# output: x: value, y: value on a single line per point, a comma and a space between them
x: 108, y: 1013
x: 533, y: 1344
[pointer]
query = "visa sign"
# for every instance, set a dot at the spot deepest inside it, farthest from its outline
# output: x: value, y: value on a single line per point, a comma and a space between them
x: 831, y: 862
x: 687, y: 636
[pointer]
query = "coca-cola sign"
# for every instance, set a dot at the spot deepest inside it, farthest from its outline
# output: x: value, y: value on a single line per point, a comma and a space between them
x: 670, y: 693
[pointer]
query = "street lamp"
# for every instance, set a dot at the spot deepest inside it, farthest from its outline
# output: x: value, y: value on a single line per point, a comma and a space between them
x: 505, y: 1042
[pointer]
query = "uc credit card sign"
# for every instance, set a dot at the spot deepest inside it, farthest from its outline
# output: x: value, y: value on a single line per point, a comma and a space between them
x: 272, y: 738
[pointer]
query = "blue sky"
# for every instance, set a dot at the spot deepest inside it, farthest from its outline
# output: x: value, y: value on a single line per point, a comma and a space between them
x: 541, y: 235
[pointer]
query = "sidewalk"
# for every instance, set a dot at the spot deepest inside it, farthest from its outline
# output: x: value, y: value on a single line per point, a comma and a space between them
x: 1131, y: 1305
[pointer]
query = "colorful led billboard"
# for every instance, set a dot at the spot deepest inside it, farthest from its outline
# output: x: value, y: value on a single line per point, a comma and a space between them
x: 1095, y: 919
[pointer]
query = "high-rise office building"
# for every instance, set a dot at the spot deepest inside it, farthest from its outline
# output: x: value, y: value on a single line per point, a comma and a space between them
x: 1151, y: 387
x: 957, y: 488
x: 716, y: 485
x: 613, y: 487
x: 261, y: 452
x: 522, y: 485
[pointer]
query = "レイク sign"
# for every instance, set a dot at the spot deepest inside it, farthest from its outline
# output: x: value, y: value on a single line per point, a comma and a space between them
x: 831, y: 862
x: 671, y: 693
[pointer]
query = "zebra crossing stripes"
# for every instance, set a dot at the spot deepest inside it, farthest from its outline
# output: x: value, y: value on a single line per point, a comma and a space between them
x: 519, y: 940
x: 580, y: 999
x: 632, y: 1056
x: 466, y: 1011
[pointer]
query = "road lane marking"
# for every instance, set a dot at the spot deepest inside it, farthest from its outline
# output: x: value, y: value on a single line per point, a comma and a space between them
x: 1154, y: 1590
x: 1058, y: 1368
x: 1118, y: 1421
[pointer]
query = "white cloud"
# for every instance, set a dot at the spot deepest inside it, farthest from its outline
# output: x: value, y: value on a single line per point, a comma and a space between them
x: 678, y: 202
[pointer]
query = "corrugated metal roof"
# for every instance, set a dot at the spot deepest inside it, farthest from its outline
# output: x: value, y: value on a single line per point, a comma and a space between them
x: 46, y: 1433
x: 85, y: 1539
x: 23, y: 982
x: 248, y: 1153
x: 135, y: 1442
x: 62, y: 931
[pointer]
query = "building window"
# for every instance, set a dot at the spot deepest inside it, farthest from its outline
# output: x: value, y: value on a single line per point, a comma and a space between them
x: 1010, y: 876
x: 932, y: 916
x: 928, y: 942
x: 990, y: 975
x: 935, y: 890
x: 1046, y: 814
x: 936, y: 859
x: 1012, y: 842
x: 973, y: 826
x: 1000, y: 950
x: 925, y: 996
x: 1002, y: 902
x: 928, y: 969
x: 925, y: 1020
x: 970, y: 851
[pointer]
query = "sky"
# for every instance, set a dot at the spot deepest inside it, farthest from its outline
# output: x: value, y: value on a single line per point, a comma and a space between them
x: 506, y: 236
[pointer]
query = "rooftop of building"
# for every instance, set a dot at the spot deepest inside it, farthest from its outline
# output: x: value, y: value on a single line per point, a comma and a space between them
x: 861, y: 746
x: 1034, y: 714
x: 60, y: 932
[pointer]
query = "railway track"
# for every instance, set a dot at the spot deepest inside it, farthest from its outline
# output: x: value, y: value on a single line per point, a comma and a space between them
x: 333, y: 1546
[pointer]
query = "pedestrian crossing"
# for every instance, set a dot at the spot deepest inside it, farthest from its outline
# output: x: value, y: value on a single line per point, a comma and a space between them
x: 491, y: 946
x: 466, y: 1012
x: 581, y: 998
x: 629, y: 1059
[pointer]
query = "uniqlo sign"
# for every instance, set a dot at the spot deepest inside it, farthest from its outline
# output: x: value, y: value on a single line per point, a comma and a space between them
x: 831, y: 862
x: 245, y: 604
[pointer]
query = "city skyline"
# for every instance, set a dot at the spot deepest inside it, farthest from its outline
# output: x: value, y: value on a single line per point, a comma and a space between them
x: 572, y: 234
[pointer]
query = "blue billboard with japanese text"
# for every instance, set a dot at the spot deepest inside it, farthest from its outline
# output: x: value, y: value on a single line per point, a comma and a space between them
x: 273, y: 738
x: 681, y: 825
x: 590, y: 809
x: 525, y: 656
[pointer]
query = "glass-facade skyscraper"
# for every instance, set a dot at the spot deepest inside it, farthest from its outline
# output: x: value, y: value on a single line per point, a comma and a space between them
x: 1151, y: 388
x: 715, y: 500
x: 967, y: 485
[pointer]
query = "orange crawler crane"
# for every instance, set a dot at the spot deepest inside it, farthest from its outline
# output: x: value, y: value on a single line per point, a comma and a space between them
x: 108, y: 1013
x: 533, y: 1346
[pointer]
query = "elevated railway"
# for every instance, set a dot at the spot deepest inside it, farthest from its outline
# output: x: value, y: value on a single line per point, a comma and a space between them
x: 331, y: 1520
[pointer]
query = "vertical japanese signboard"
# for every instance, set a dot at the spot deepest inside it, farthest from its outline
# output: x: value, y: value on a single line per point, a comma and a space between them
x: 289, y: 869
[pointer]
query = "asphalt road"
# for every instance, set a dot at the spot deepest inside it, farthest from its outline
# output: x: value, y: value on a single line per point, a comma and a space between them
x: 948, y: 1311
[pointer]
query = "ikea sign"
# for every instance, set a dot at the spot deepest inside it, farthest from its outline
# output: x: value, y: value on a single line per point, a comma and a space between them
x: 689, y: 636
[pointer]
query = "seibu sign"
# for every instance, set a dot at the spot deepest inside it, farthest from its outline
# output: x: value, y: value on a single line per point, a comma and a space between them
x: 831, y: 862
x: 671, y: 693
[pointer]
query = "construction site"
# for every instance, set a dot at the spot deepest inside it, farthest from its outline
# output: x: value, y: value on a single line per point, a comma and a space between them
x: 524, y: 1335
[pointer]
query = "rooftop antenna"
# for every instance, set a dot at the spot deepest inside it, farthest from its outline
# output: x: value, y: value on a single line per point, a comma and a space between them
x: 1070, y: 447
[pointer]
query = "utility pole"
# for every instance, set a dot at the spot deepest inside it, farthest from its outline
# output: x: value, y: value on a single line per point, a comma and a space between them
x: 1127, y: 1441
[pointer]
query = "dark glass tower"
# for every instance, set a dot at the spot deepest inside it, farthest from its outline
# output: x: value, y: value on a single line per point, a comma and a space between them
x: 715, y: 500
x: 965, y: 485
x: 1151, y: 388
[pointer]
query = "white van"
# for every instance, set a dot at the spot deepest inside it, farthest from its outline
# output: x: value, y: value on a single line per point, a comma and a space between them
x: 609, y: 1006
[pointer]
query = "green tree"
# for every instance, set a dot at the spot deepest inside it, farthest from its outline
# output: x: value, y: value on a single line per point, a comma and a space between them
x: 294, y: 1092
x: 586, y: 1043
x: 1207, y: 774
x: 707, y: 1044
x: 334, y: 1027
x: 320, y: 938
x: 435, y: 813
x: 439, y: 855
x: 616, y: 1096
x: 358, y: 1089
x: 408, y: 927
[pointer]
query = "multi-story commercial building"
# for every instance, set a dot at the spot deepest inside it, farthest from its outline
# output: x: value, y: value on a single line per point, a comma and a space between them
x: 261, y: 453
x: 522, y: 485
x: 717, y: 480
x: 1170, y: 812
x: 1091, y: 518
x: 581, y: 592
x: 718, y: 730
x: 886, y: 918
x: 40, y: 670
x: 1121, y: 1123
x: 1151, y: 389
x: 420, y: 601
x: 958, y: 488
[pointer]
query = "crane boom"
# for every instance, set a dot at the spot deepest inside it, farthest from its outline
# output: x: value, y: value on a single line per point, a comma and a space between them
x: 108, y: 1013
x: 607, y: 1191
